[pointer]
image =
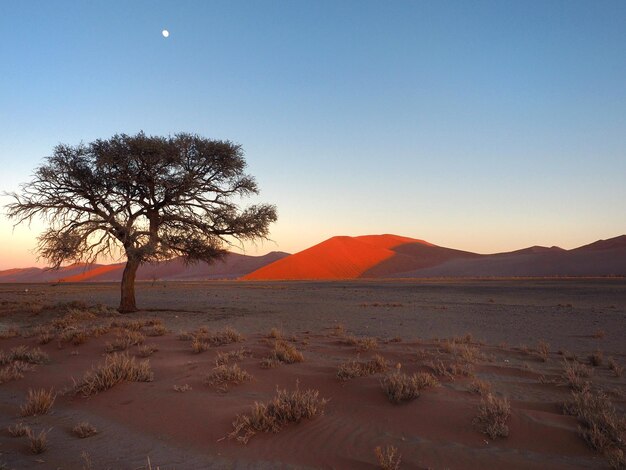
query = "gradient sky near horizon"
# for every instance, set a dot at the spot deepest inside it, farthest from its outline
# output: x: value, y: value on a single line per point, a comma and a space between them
x: 484, y: 126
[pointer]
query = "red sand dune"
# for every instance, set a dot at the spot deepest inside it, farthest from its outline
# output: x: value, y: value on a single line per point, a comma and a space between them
x: 335, y: 258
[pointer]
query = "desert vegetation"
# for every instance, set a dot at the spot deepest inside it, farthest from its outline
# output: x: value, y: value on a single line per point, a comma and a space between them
x: 388, y: 457
x: 286, y: 407
x: 493, y: 415
x: 223, y: 376
x: 117, y: 367
x: 38, y: 402
x: 356, y: 368
x: 84, y: 430
x: 400, y: 387
x: 282, y: 352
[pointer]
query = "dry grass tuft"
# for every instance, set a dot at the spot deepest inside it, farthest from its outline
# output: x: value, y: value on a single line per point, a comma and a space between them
x: 182, y: 388
x: 388, y: 458
x: 204, y: 339
x: 116, y: 368
x: 354, y: 368
x: 38, y: 402
x: 401, y: 387
x: 10, y: 333
x: 18, y: 430
x: 480, y: 387
x: 366, y: 343
x: 275, y: 333
x: 283, y: 352
x: 574, y: 374
x: 236, y: 355
x: 24, y: 354
x: 125, y: 340
x: 286, y: 407
x: 13, y: 371
x: 601, y: 426
x: 493, y: 414
x: 146, y: 350
x: 614, y: 366
x: 84, y: 430
x: 596, y: 359
x: 38, y: 443
x: 222, y: 376
x: 156, y: 330
x: 543, y: 350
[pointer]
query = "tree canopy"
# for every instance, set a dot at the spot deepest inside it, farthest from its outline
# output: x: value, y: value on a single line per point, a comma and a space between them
x: 149, y: 198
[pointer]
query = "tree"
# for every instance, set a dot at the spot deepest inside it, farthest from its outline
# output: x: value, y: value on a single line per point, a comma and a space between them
x: 146, y: 197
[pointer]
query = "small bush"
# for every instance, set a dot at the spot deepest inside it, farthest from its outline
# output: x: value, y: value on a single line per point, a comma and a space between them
x: 362, y: 344
x: 596, y: 359
x: 401, y: 387
x: 38, y: 443
x: 146, y: 350
x: 24, y: 354
x: 203, y: 339
x: 543, y: 350
x: 615, y: 367
x: 574, y: 374
x: 38, y: 402
x: 283, y: 352
x: 601, y: 427
x: 354, y: 368
x: 225, y: 357
x: 18, y: 430
x: 275, y: 333
x: 286, y: 407
x: 125, y: 340
x: 222, y: 376
x: 492, y: 417
x: 388, y: 458
x: 156, y: 330
x: 480, y: 387
x: 84, y: 430
x: 182, y: 388
x: 13, y: 371
x: 116, y: 368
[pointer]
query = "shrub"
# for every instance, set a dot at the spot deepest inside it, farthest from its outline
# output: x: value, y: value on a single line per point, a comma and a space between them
x: 25, y: 354
x: 480, y: 387
x: 38, y: 443
x: 275, y: 333
x: 601, y: 427
x: 13, y: 371
x: 125, y: 340
x: 354, y: 368
x: 615, y: 367
x: 224, y: 357
x: 388, y: 458
x: 492, y: 417
x: 283, y: 352
x: 401, y: 387
x: 596, y: 359
x: 84, y: 430
x: 543, y: 350
x: 156, y: 330
x: 18, y: 430
x: 222, y: 376
x: 203, y: 339
x: 362, y: 344
x: 182, y: 388
x: 574, y: 374
x: 116, y: 368
x: 286, y: 407
x: 146, y: 350
x: 38, y: 402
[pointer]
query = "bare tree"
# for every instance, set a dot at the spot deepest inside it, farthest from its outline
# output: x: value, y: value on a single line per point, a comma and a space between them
x: 148, y: 198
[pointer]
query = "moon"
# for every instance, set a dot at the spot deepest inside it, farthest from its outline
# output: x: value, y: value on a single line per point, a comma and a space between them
x: 165, y: 33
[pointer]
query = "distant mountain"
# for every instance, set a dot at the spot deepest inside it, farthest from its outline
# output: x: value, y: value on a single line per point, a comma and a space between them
x: 233, y: 266
x: 392, y: 256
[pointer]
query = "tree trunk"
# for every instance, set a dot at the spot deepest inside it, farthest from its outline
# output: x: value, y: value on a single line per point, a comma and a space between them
x: 127, y: 303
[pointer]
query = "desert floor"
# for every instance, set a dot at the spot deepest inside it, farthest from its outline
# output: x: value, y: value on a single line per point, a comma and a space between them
x: 519, y: 337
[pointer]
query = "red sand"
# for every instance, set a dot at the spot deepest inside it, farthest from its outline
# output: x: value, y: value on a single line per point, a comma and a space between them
x: 335, y: 258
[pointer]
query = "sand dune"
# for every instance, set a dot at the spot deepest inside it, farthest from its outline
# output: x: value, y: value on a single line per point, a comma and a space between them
x: 233, y: 266
x: 391, y: 256
x: 335, y: 258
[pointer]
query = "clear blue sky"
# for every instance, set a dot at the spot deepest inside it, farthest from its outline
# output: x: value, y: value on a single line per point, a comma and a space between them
x: 485, y: 126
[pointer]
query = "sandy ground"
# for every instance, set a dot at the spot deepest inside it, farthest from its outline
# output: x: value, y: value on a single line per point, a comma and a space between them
x: 409, y: 319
